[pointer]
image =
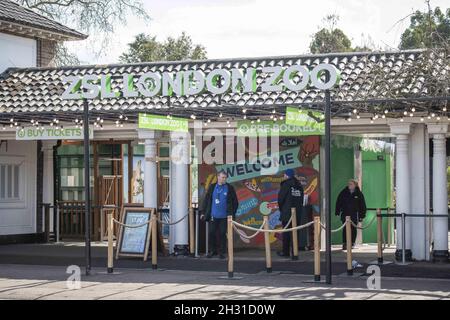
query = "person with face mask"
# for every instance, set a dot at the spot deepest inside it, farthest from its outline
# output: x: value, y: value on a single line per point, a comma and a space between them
x: 351, y: 202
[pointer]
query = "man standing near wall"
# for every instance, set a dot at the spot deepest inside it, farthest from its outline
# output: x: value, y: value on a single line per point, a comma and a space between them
x: 220, y: 201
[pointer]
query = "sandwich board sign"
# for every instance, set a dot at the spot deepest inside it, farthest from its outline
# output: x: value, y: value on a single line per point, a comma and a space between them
x: 134, y: 242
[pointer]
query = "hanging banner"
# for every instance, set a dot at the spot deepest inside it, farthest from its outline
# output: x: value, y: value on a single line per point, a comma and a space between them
x: 262, y: 165
x: 246, y: 128
x: 150, y: 121
x: 32, y: 133
x: 310, y: 122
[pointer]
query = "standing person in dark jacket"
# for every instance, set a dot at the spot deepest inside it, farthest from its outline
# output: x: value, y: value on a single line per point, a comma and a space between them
x: 289, y: 196
x: 220, y: 202
x: 350, y: 202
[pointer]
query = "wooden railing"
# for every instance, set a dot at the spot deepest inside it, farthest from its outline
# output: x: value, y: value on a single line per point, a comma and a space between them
x: 71, y: 219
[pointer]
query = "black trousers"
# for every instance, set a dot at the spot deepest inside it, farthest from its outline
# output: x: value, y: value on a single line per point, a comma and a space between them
x: 344, y: 234
x: 218, y: 226
x: 301, y: 235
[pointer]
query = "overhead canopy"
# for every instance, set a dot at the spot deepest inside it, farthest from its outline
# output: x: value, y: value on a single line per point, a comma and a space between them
x: 370, y: 82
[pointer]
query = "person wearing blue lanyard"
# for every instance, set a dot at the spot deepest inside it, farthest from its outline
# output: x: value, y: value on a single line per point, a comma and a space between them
x: 220, y: 202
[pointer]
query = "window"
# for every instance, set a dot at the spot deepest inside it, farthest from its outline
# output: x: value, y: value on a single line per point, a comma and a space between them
x: 11, y: 181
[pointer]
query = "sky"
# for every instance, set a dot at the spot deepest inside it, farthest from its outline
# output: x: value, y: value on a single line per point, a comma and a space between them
x: 252, y: 28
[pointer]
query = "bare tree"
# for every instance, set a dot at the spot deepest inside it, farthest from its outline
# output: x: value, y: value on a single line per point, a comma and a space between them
x: 94, y: 17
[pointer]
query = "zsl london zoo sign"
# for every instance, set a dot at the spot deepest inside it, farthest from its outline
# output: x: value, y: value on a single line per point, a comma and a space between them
x: 192, y: 82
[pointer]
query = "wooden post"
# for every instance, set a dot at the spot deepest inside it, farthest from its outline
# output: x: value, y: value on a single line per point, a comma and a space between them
x: 230, y: 246
x: 317, y: 248
x: 348, y: 232
x: 154, y: 241
x: 267, y: 245
x: 379, y: 236
x: 294, y: 234
x: 110, y: 229
x: 191, y: 232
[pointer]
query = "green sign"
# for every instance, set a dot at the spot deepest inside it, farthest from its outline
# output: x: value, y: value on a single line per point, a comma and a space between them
x: 311, y: 122
x: 246, y: 128
x: 32, y: 133
x: 149, y: 121
x: 263, y: 165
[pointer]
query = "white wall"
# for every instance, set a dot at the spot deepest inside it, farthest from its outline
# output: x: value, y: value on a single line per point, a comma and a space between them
x: 17, y: 52
x: 18, y: 214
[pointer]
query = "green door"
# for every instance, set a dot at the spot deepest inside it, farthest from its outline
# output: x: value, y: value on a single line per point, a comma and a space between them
x: 376, y: 189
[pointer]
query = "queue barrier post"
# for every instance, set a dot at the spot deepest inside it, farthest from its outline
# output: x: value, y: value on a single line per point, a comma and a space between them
x: 379, y: 236
x: 267, y: 245
x: 230, y: 246
x: 110, y: 227
x: 294, y: 234
x: 348, y: 232
x: 153, y: 224
x: 191, y: 232
x: 317, y: 248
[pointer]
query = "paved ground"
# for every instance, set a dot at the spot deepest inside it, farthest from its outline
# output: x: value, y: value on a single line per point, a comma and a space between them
x: 246, y: 261
x: 49, y: 282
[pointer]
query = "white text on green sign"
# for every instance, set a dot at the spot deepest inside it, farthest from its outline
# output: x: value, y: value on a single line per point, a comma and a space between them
x: 311, y: 122
x: 32, y: 133
x: 149, y: 121
x: 246, y: 128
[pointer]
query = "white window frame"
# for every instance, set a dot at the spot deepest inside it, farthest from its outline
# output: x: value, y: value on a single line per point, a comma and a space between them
x: 21, y: 201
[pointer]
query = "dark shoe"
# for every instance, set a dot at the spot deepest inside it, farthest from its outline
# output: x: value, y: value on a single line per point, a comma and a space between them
x: 211, y: 254
x: 221, y: 256
x: 282, y: 254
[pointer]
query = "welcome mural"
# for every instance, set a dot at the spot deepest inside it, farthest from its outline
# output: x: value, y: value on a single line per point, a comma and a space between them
x: 257, y: 185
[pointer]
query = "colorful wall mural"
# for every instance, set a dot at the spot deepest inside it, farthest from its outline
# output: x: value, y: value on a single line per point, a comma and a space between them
x: 257, y: 191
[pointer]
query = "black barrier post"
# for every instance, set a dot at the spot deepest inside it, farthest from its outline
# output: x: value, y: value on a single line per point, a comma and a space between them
x: 328, y: 184
x: 87, y: 196
x: 403, y: 238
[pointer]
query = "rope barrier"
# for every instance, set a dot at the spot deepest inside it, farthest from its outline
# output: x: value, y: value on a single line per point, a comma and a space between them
x: 333, y: 230
x: 172, y: 223
x: 274, y: 230
x: 131, y: 225
x: 244, y: 235
x: 288, y: 223
x: 364, y: 227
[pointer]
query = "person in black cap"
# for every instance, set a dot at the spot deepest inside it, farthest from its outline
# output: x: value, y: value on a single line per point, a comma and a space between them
x: 220, y: 202
x: 289, y: 196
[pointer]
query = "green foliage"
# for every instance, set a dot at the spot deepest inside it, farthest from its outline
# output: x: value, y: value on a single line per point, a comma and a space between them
x: 330, y: 39
x: 146, y: 48
x: 427, y: 30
